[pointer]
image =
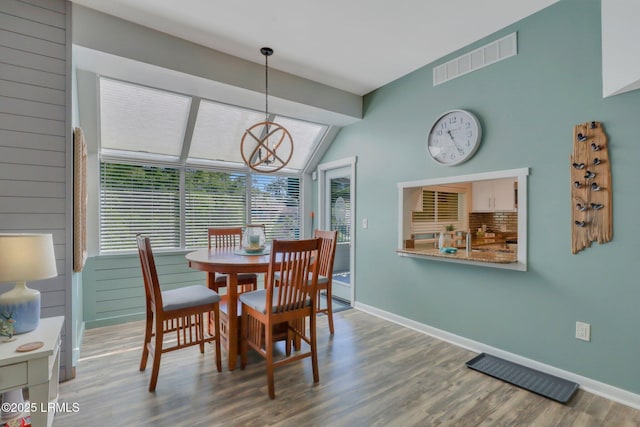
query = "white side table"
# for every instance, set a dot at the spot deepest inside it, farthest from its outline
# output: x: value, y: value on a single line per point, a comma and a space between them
x: 39, y: 370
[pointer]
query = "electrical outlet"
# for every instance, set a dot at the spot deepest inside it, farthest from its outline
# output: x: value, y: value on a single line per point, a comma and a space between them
x: 583, y: 331
x: 365, y: 223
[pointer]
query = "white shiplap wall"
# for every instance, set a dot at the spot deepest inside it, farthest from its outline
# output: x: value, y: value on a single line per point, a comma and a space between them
x: 35, y: 147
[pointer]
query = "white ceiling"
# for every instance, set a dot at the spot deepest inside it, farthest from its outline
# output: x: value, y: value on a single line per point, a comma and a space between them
x: 353, y: 45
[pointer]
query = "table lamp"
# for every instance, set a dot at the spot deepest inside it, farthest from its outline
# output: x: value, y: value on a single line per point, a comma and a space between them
x: 24, y: 258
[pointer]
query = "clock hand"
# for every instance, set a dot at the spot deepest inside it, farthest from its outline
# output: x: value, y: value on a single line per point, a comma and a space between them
x: 455, y: 143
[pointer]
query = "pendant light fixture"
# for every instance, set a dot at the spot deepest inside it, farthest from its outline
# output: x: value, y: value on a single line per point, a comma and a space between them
x: 266, y: 146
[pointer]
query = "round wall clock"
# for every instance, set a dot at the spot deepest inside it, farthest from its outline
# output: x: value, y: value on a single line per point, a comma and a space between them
x: 454, y: 137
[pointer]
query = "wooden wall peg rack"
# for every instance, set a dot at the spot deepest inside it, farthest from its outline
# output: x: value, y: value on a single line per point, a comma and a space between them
x: 591, y: 191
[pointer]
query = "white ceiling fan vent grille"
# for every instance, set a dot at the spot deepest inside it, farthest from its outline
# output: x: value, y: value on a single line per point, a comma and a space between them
x: 486, y: 55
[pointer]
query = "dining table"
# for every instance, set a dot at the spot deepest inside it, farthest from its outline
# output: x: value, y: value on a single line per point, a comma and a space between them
x: 230, y: 261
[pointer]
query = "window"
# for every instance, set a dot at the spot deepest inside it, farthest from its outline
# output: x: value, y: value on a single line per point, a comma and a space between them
x: 413, y: 243
x: 139, y: 122
x: 138, y: 199
x: 341, y: 208
x: 439, y: 208
x: 218, y: 130
x: 213, y: 199
x: 170, y: 177
x: 147, y: 199
x: 275, y: 202
x: 306, y: 137
x: 139, y: 119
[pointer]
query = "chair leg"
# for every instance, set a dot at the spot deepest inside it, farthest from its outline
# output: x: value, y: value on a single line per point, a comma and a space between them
x: 330, y: 310
x: 157, y: 352
x: 216, y: 312
x: 270, y: 368
x: 300, y: 326
x: 314, y: 349
x: 244, y: 342
x: 200, y: 319
x: 288, y: 341
x: 210, y: 324
x: 148, y: 332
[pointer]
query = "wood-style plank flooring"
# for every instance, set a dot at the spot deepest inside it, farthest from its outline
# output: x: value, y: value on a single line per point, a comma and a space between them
x: 372, y: 373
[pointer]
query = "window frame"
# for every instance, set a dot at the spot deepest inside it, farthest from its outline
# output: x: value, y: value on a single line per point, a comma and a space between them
x: 407, y: 200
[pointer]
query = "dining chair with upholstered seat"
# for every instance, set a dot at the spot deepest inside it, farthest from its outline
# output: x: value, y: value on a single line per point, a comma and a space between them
x: 290, y: 302
x: 325, y: 281
x: 229, y: 237
x: 180, y: 311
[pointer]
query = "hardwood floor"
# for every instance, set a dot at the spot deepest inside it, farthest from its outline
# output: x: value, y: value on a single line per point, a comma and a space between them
x: 372, y: 373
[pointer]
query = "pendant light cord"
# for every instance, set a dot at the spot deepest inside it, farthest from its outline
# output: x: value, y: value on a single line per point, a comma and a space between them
x: 266, y: 88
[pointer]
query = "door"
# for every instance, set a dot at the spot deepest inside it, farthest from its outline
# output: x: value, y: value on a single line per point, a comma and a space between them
x: 336, y: 207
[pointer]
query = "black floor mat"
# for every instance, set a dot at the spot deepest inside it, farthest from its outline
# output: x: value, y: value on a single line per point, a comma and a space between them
x: 537, y: 382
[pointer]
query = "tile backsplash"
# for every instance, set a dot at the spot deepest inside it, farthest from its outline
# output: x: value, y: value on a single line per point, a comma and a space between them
x: 495, y: 221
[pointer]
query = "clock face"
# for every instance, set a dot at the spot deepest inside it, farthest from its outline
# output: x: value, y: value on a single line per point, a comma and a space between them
x: 454, y: 137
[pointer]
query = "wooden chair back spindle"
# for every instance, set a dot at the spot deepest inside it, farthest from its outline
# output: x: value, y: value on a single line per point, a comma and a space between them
x: 224, y: 237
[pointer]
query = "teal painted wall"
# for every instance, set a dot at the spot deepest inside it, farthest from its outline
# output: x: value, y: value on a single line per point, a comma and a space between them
x: 528, y: 105
x: 114, y: 290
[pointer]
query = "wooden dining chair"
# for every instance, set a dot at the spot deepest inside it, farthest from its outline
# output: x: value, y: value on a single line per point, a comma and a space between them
x: 292, y: 301
x: 227, y: 237
x: 325, y: 271
x: 325, y: 281
x: 180, y: 311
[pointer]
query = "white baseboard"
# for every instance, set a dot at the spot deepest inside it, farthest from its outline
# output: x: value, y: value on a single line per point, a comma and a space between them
x: 592, y: 386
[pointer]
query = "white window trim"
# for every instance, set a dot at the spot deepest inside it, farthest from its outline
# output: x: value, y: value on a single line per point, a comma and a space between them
x: 521, y: 176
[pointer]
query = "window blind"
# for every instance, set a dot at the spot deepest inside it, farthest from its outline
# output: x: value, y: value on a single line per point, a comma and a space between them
x: 275, y: 202
x: 146, y: 199
x: 446, y: 207
x: 212, y: 199
x: 138, y: 199
x: 341, y: 208
x: 439, y: 208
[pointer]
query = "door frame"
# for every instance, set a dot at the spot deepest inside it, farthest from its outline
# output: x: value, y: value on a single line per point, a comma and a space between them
x: 322, y: 171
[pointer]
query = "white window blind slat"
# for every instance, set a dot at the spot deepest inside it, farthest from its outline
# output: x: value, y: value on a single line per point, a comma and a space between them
x: 341, y: 209
x: 275, y: 202
x: 212, y: 199
x: 138, y: 199
x: 146, y: 199
x: 439, y: 208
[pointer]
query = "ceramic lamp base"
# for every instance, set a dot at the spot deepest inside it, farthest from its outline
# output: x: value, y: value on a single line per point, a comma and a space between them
x: 21, y: 304
x: 11, y: 400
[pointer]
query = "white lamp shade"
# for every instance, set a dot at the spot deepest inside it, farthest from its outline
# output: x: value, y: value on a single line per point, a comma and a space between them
x: 26, y: 257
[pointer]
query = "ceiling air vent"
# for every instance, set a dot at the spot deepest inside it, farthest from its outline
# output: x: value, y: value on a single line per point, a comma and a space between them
x: 486, y: 55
